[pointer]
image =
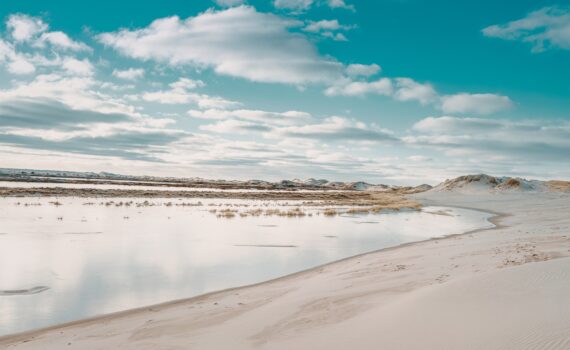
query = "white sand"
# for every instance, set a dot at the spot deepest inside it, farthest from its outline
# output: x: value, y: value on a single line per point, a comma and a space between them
x: 505, y: 288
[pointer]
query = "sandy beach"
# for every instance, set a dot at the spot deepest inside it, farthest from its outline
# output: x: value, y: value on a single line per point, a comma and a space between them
x: 501, y: 288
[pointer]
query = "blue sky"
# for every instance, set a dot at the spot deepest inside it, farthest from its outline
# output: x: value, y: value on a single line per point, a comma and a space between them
x: 394, y: 91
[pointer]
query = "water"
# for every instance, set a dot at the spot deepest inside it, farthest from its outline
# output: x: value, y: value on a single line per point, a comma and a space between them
x: 140, y: 186
x: 96, y: 259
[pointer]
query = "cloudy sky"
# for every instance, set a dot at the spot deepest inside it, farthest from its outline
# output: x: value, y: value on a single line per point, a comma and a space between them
x: 391, y: 91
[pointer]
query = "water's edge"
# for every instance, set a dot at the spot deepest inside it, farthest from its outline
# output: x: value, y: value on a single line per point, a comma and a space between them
x: 495, y: 220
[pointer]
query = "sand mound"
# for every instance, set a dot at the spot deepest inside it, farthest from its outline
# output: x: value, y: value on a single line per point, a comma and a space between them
x: 488, y: 183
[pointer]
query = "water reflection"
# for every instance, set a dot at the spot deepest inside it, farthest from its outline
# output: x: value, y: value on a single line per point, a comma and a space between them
x: 97, y: 259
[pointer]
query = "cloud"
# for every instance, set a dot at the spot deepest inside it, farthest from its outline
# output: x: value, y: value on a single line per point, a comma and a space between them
x: 23, y: 27
x: 347, y: 87
x: 271, y: 118
x: 545, y: 28
x: 326, y: 28
x: 75, y: 66
x: 291, y: 125
x: 187, y: 84
x: 234, y: 126
x: 26, y: 52
x: 303, y: 5
x: 62, y: 114
x: 401, y: 89
x: 475, y: 103
x: 293, y: 4
x: 51, y: 125
x: 77, y: 92
x: 180, y: 93
x: 323, y: 25
x: 129, y: 74
x: 16, y: 63
x: 528, y: 141
x: 62, y: 41
x: 229, y: 3
x: 238, y: 42
x: 362, y: 70
x: 335, y: 129
x: 335, y: 36
x: 33, y: 30
x: 340, y: 4
x: 128, y: 145
x: 408, y: 90
x: 418, y: 158
x: 46, y: 113
x: 20, y: 66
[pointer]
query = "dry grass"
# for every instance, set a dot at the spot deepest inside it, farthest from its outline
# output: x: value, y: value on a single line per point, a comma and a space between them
x: 512, y: 183
x: 330, y: 212
x: 320, y: 202
x: 296, y: 212
x: 559, y: 185
x: 227, y: 213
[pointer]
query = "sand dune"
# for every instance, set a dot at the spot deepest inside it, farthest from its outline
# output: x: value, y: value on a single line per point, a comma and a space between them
x: 503, y: 288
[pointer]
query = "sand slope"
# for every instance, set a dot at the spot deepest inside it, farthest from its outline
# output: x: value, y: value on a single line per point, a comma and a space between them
x: 505, y: 288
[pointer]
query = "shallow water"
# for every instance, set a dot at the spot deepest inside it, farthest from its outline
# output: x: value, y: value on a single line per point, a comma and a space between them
x: 140, y: 186
x: 65, y: 262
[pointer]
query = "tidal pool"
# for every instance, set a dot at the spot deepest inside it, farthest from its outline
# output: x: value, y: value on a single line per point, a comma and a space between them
x: 71, y: 258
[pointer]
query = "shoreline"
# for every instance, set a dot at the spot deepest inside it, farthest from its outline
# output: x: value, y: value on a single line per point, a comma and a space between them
x: 342, y: 303
x: 495, y: 220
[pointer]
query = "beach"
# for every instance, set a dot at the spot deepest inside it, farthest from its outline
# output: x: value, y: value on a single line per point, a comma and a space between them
x: 499, y: 288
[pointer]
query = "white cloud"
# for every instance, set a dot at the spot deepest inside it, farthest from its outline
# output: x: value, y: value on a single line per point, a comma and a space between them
x: 229, y: 3
x: 20, y: 66
x: 179, y: 94
x: 347, y: 87
x: 234, y: 126
x: 363, y: 70
x: 16, y: 63
x: 402, y: 89
x: 23, y: 27
x: 292, y: 125
x: 25, y: 54
x: 271, y: 118
x: 303, y: 5
x: 293, y: 4
x: 33, y: 30
x: 475, y: 103
x: 239, y: 42
x: 129, y: 74
x: 547, y: 27
x: 527, y: 141
x: 6, y: 50
x: 335, y: 36
x: 335, y: 129
x: 418, y: 158
x: 62, y: 41
x: 169, y: 97
x: 69, y: 113
x: 326, y: 28
x: 75, y: 66
x: 187, y: 84
x: 408, y: 90
x: 323, y: 25
x: 340, y: 4
x: 77, y: 92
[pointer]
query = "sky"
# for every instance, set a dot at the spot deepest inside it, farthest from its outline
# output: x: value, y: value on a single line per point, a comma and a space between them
x: 385, y: 91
